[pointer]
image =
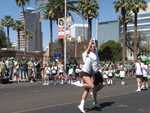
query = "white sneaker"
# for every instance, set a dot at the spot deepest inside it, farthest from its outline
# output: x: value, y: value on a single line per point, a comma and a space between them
x: 77, y: 83
x: 138, y: 90
x: 81, y: 109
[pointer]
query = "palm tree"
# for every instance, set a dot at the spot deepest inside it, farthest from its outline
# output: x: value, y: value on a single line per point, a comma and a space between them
x: 7, y: 22
x: 89, y: 10
x: 1, y: 27
x: 48, y: 13
x: 136, y: 6
x: 22, y: 3
x: 18, y: 26
x: 123, y: 7
x: 54, y: 9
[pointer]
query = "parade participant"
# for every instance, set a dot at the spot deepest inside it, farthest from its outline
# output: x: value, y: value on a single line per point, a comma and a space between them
x: 122, y: 74
x: 47, y: 74
x: 110, y: 75
x: 139, y: 74
x: 145, y: 77
x: 86, y: 75
x: 90, y: 70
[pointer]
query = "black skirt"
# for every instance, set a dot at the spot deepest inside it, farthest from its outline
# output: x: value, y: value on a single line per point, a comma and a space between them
x: 98, y: 78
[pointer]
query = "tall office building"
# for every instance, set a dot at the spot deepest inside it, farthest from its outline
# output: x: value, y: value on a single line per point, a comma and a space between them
x: 143, y: 23
x: 108, y: 31
x: 79, y: 31
x: 33, y: 27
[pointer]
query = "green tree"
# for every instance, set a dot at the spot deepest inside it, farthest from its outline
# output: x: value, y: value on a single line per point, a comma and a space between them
x: 136, y: 5
x: 22, y: 3
x: 7, y: 22
x: 111, y: 51
x: 89, y: 10
x: 18, y: 26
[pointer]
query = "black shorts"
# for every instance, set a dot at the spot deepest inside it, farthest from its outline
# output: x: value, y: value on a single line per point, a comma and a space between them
x: 85, y: 74
x: 145, y: 79
x: 98, y: 78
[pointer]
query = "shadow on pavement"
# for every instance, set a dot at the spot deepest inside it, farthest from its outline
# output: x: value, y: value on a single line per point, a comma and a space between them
x: 102, y: 106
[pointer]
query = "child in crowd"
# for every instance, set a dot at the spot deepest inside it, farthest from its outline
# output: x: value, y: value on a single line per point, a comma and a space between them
x: 122, y: 74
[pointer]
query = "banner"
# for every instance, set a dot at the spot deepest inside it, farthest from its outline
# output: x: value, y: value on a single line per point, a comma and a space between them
x: 61, y: 31
x: 61, y: 28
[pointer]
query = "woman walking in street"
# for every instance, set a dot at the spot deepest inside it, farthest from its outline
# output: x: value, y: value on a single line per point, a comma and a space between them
x: 86, y: 75
x: 90, y: 70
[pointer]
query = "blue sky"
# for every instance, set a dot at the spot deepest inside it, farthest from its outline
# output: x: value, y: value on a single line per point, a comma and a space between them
x: 8, y: 7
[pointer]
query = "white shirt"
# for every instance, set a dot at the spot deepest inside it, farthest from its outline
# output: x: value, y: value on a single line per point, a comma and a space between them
x: 122, y: 73
x: 87, y: 66
x: 95, y: 61
x: 138, y: 70
x: 61, y: 68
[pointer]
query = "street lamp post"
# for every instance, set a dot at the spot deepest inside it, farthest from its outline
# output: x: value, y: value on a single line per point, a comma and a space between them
x: 65, y: 51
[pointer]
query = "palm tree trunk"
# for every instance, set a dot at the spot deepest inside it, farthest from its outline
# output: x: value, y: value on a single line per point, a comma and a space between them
x: 18, y: 39
x: 25, y: 37
x: 136, y: 37
x: 8, y: 40
x: 123, y: 11
x: 51, y: 37
x: 89, y: 29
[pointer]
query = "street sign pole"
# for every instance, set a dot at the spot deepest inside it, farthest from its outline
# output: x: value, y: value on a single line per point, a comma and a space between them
x: 65, y: 51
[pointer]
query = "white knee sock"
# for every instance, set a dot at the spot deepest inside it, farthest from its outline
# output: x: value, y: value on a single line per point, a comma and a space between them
x: 82, y: 103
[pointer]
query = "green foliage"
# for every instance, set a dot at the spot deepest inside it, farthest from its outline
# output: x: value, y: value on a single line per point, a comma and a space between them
x: 18, y: 25
x: 21, y: 3
x: 124, y: 7
x: 54, y: 9
x: 89, y: 8
x: 29, y: 34
x: 136, y: 5
x: 110, y: 51
x: 7, y: 21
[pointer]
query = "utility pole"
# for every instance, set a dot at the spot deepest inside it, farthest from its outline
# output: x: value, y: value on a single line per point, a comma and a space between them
x: 65, y: 51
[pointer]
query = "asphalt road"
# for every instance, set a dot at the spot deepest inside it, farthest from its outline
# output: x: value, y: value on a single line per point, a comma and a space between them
x: 35, y: 98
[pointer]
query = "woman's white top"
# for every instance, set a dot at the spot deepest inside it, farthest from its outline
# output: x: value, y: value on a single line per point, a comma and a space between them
x: 87, y: 66
x: 95, y: 62
x: 138, y: 70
